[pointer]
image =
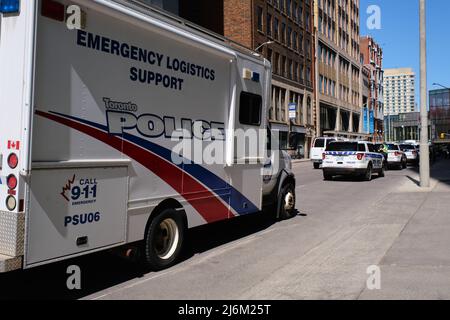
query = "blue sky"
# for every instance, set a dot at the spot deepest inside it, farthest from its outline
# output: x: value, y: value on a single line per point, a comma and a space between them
x: 399, y: 36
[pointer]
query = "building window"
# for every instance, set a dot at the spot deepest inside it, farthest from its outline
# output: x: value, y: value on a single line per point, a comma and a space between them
x: 259, y: 14
x: 307, y: 21
x: 290, y: 70
x: 309, y: 110
x: 300, y: 14
x: 300, y: 43
x: 269, y: 55
x: 294, y: 40
x: 283, y: 32
x: 289, y: 37
x: 308, y: 48
x: 269, y: 25
x: 283, y: 66
x: 276, y: 63
x: 294, y: 11
x: 276, y: 29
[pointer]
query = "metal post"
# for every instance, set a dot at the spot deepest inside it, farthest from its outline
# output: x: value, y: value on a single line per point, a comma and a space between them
x: 424, y: 151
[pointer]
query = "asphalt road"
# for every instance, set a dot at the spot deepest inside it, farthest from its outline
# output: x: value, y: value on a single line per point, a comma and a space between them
x: 321, y: 253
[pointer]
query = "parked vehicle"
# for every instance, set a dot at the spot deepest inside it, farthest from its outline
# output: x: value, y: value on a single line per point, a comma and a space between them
x: 352, y: 158
x: 318, y: 147
x: 396, y: 157
x: 411, y: 153
x: 100, y: 123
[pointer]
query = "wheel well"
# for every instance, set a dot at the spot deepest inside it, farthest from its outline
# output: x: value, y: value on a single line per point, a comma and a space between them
x: 164, y: 205
x: 289, y: 179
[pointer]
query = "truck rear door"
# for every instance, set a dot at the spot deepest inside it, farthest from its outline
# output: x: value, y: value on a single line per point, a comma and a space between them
x: 16, y: 75
x: 249, y: 121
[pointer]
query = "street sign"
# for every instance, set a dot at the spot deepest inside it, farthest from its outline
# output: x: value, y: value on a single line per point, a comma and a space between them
x: 292, y: 111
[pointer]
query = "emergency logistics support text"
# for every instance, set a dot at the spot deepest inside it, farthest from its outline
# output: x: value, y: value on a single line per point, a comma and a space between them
x: 153, y: 58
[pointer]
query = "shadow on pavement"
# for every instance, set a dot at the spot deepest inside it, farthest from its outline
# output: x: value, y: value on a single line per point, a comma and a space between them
x: 439, y: 170
x: 352, y: 179
x: 103, y: 270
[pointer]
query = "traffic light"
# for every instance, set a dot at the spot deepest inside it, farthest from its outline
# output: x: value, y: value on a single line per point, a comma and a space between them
x: 443, y: 136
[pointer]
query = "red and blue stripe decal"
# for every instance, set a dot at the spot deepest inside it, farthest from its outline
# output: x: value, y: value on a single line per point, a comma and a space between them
x: 216, y: 193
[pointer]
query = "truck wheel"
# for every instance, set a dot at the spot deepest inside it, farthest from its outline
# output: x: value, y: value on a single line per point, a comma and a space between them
x: 164, y: 239
x: 287, y: 201
x: 316, y: 165
x: 368, y: 175
x: 404, y: 164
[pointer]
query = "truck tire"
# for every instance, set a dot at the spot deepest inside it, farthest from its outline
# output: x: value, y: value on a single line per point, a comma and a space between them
x: 368, y: 174
x: 164, y: 239
x: 286, y: 201
x: 316, y: 165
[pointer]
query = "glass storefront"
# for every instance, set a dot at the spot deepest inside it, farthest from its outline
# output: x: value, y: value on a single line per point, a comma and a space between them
x: 440, y: 112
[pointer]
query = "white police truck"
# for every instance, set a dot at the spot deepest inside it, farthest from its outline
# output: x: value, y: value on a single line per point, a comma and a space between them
x: 119, y: 125
x: 355, y: 158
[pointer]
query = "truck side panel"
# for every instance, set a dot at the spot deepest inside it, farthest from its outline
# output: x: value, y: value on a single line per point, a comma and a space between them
x: 128, y: 89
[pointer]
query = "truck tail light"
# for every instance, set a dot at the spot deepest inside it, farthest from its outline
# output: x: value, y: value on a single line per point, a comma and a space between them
x: 13, y: 161
x: 360, y: 156
x: 324, y: 156
x: 11, y: 203
x: 11, y: 182
x: 9, y: 6
x: 398, y: 154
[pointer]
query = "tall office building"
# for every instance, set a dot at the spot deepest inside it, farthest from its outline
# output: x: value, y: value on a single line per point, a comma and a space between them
x: 399, y: 91
x: 338, y: 68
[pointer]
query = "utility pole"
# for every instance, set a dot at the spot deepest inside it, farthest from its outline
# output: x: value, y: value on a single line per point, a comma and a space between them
x: 424, y: 149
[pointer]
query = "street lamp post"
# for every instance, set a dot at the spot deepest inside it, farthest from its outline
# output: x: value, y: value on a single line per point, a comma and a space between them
x: 262, y: 45
x: 440, y: 85
x: 424, y: 149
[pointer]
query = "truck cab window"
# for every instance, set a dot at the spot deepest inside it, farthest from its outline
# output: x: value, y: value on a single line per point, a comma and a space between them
x: 250, y: 109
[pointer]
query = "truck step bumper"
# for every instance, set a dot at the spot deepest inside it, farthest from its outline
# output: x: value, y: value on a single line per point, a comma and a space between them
x: 8, y: 263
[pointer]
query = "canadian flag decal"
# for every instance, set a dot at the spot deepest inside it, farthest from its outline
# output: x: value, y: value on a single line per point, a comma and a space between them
x: 15, y: 145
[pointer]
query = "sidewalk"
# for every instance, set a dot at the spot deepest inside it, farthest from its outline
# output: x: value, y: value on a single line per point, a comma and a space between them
x: 417, y: 266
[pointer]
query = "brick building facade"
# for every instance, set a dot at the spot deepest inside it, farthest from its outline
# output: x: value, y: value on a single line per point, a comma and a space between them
x: 373, y: 60
x: 338, y: 68
x: 288, y: 26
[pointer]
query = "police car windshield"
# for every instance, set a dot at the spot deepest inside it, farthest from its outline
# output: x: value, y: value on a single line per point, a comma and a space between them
x: 343, y: 146
x: 392, y: 147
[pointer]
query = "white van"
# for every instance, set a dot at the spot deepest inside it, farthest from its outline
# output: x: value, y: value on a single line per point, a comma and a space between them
x: 318, y: 148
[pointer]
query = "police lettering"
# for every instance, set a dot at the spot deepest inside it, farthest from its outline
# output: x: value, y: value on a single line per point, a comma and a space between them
x: 153, y: 126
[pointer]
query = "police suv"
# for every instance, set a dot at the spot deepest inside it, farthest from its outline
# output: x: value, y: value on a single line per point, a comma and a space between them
x: 357, y: 158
